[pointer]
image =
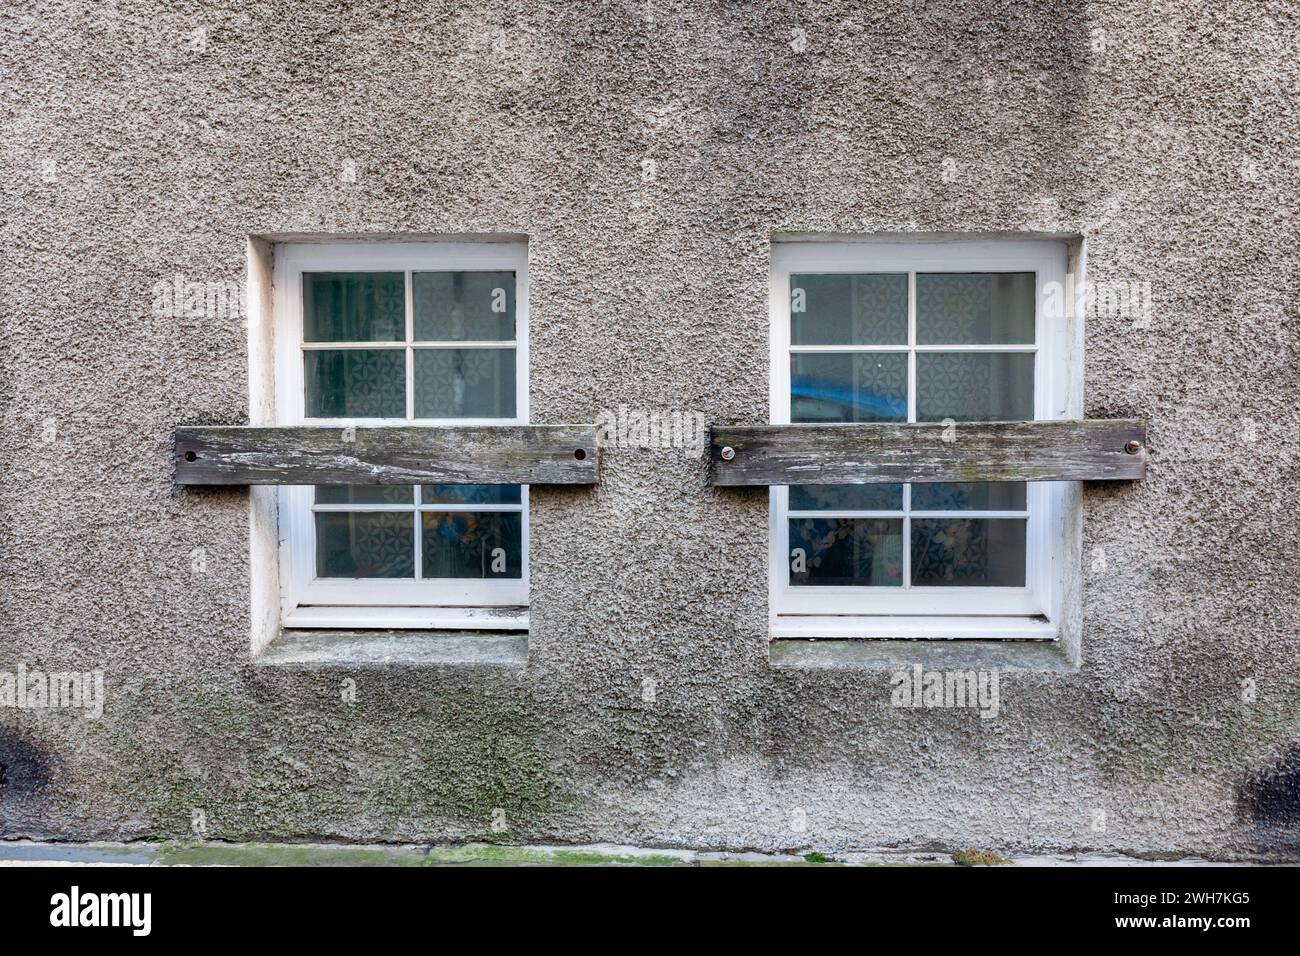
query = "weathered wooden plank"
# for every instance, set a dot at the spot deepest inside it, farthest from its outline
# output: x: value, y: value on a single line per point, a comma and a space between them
x: 489, y: 454
x: 985, y: 451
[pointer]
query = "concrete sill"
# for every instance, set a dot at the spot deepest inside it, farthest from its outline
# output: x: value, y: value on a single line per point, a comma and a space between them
x: 1042, y: 656
x: 321, y: 649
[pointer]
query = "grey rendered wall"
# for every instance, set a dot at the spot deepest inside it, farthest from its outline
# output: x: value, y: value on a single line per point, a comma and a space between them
x: 649, y: 151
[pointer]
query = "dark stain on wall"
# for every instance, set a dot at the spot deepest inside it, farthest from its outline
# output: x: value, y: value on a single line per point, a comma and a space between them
x: 24, y: 774
x: 1270, y: 800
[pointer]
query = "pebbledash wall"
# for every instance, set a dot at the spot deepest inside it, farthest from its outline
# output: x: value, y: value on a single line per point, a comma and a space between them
x: 650, y: 152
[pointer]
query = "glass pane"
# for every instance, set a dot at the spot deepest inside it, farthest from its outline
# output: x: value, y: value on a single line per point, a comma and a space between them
x: 848, y: 309
x: 848, y: 387
x: 862, y: 552
x: 470, y: 494
x: 846, y: 497
x: 974, y: 386
x: 355, y: 383
x: 464, y: 306
x: 975, y: 308
x: 353, y: 307
x: 969, y: 496
x: 473, y: 544
x: 465, y: 383
x: 968, y: 552
x: 364, y: 495
x: 365, y: 544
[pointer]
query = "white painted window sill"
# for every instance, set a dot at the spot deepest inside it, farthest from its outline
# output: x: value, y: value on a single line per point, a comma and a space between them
x: 899, y: 627
x: 410, y: 618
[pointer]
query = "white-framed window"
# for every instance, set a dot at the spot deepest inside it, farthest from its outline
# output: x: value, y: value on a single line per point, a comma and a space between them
x: 933, y: 331
x: 387, y: 334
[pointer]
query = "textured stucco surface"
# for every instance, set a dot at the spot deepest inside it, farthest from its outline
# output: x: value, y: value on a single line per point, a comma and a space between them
x: 145, y: 140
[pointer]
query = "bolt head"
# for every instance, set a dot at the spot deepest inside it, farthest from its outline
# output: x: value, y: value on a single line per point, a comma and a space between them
x: 1133, y: 447
x: 728, y: 453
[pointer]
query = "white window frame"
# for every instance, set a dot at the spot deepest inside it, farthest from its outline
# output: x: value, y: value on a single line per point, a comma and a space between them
x: 308, y: 601
x: 1033, y: 611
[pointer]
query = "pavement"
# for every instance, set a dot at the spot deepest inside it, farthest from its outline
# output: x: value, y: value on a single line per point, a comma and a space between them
x: 25, y: 853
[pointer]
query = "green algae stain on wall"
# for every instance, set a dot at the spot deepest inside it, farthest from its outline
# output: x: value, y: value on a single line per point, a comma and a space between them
x: 177, y: 761
x: 480, y: 765
x: 285, y: 759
